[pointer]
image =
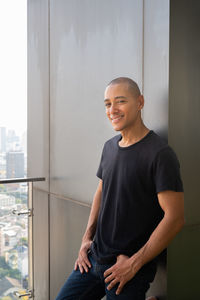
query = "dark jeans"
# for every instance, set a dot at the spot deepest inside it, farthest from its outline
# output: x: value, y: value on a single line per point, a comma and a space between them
x: 91, y: 285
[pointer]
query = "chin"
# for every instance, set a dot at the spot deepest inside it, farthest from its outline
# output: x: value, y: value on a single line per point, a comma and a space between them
x: 117, y: 128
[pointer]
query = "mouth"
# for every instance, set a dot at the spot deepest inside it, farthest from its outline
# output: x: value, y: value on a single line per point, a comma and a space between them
x: 116, y: 119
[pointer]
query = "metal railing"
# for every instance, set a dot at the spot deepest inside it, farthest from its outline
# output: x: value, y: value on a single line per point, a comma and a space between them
x: 29, y: 212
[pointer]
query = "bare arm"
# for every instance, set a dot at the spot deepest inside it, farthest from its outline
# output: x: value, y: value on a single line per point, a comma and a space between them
x: 172, y: 204
x: 125, y: 268
x: 92, y: 221
x: 82, y: 261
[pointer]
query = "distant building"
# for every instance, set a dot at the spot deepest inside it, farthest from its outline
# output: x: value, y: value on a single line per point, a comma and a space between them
x: 24, y: 142
x: 23, y: 260
x: 12, y: 141
x: 2, y: 139
x: 2, y: 242
x: 2, y: 164
x: 11, y: 136
x: 11, y: 238
x: 15, y: 164
x: 6, y: 200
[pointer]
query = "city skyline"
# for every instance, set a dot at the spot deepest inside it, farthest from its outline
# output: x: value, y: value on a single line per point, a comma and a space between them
x: 9, y: 129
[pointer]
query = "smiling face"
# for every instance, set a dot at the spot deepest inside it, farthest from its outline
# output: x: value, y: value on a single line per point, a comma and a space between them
x: 123, y: 108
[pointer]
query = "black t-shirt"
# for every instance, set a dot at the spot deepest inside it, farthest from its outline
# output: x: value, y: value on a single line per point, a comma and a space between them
x: 132, y: 176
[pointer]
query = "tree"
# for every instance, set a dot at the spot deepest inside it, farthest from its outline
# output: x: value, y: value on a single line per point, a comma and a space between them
x: 6, y: 270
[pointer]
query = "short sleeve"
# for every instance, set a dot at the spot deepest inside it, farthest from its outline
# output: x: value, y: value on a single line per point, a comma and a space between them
x: 99, y: 171
x: 167, y: 171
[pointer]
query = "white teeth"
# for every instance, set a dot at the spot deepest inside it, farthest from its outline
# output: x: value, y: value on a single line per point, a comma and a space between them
x: 116, y: 118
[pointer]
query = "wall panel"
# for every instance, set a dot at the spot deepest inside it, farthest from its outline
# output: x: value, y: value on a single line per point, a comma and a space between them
x: 41, y: 245
x: 155, y: 112
x: 92, y: 42
x: 184, y: 135
x: 68, y: 221
x: 183, y: 265
x: 156, y: 61
x: 38, y: 91
x: 38, y: 138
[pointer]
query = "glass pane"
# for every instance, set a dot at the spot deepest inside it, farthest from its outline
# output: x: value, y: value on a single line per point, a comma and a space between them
x: 13, y: 74
x: 13, y: 148
x: 13, y: 240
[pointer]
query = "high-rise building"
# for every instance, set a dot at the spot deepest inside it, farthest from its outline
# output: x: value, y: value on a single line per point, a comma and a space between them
x: 12, y: 141
x: 15, y: 164
x: 24, y: 142
x: 2, y: 139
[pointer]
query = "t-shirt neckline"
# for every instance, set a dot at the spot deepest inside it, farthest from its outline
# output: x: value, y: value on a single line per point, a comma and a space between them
x: 132, y: 145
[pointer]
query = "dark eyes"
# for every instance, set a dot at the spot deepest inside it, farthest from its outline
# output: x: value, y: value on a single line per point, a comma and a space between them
x: 119, y: 101
x: 107, y: 104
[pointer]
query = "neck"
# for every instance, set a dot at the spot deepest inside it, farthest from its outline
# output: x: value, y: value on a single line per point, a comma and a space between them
x: 133, y: 135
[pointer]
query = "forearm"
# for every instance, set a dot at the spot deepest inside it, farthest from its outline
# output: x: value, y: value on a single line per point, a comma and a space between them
x: 125, y: 268
x: 92, y: 221
x: 158, y: 241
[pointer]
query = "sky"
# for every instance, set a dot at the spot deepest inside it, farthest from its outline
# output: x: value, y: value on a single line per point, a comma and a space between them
x: 13, y: 65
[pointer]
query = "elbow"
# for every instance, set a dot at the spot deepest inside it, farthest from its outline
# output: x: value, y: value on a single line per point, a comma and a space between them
x: 177, y: 222
x: 180, y: 223
x: 183, y: 222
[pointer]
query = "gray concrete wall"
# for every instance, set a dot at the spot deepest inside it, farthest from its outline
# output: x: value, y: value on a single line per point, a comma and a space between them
x: 155, y: 89
x: 184, y: 136
x: 75, y: 48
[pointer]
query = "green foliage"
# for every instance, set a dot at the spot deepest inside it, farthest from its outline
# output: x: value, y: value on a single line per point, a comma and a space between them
x: 23, y: 241
x: 3, y: 273
x: 14, y: 273
x: 3, y: 263
x: 6, y: 270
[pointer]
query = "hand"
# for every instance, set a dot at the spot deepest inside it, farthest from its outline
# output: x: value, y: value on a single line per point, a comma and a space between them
x: 122, y: 271
x: 82, y: 261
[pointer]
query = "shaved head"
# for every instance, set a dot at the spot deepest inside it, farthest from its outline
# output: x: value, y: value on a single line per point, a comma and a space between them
x: 132, y: 85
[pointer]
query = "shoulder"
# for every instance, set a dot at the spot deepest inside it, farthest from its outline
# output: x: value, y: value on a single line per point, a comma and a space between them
x: 162, y: 146
x: 112, y: 141
x: 156, y: 141
x: 158, y: 148
x: 167, y: 156
x: 154, y: 144
x: 163, y: 154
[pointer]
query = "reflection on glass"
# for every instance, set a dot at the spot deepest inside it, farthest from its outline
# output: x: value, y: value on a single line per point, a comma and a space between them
x: 13, y: 240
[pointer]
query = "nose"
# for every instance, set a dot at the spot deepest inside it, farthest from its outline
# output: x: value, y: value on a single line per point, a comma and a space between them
x: 113, y: 108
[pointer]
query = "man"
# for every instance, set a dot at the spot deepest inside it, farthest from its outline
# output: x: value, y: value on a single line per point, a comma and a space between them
x: 137, y: 209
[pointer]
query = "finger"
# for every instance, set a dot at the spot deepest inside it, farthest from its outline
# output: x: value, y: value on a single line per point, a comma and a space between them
x: 86, y: 260
x: 81, y: 268
x: 120, y: 287
x: 109, y: 278
x: 75, y: 265
x: 107, y: 272
x: 112, y: 284
x: 85, y: 267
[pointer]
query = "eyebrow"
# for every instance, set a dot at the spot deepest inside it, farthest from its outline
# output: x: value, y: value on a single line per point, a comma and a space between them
x: 117, y: 97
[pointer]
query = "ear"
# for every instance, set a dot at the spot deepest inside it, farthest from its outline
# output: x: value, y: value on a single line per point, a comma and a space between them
x: 140, y: 102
